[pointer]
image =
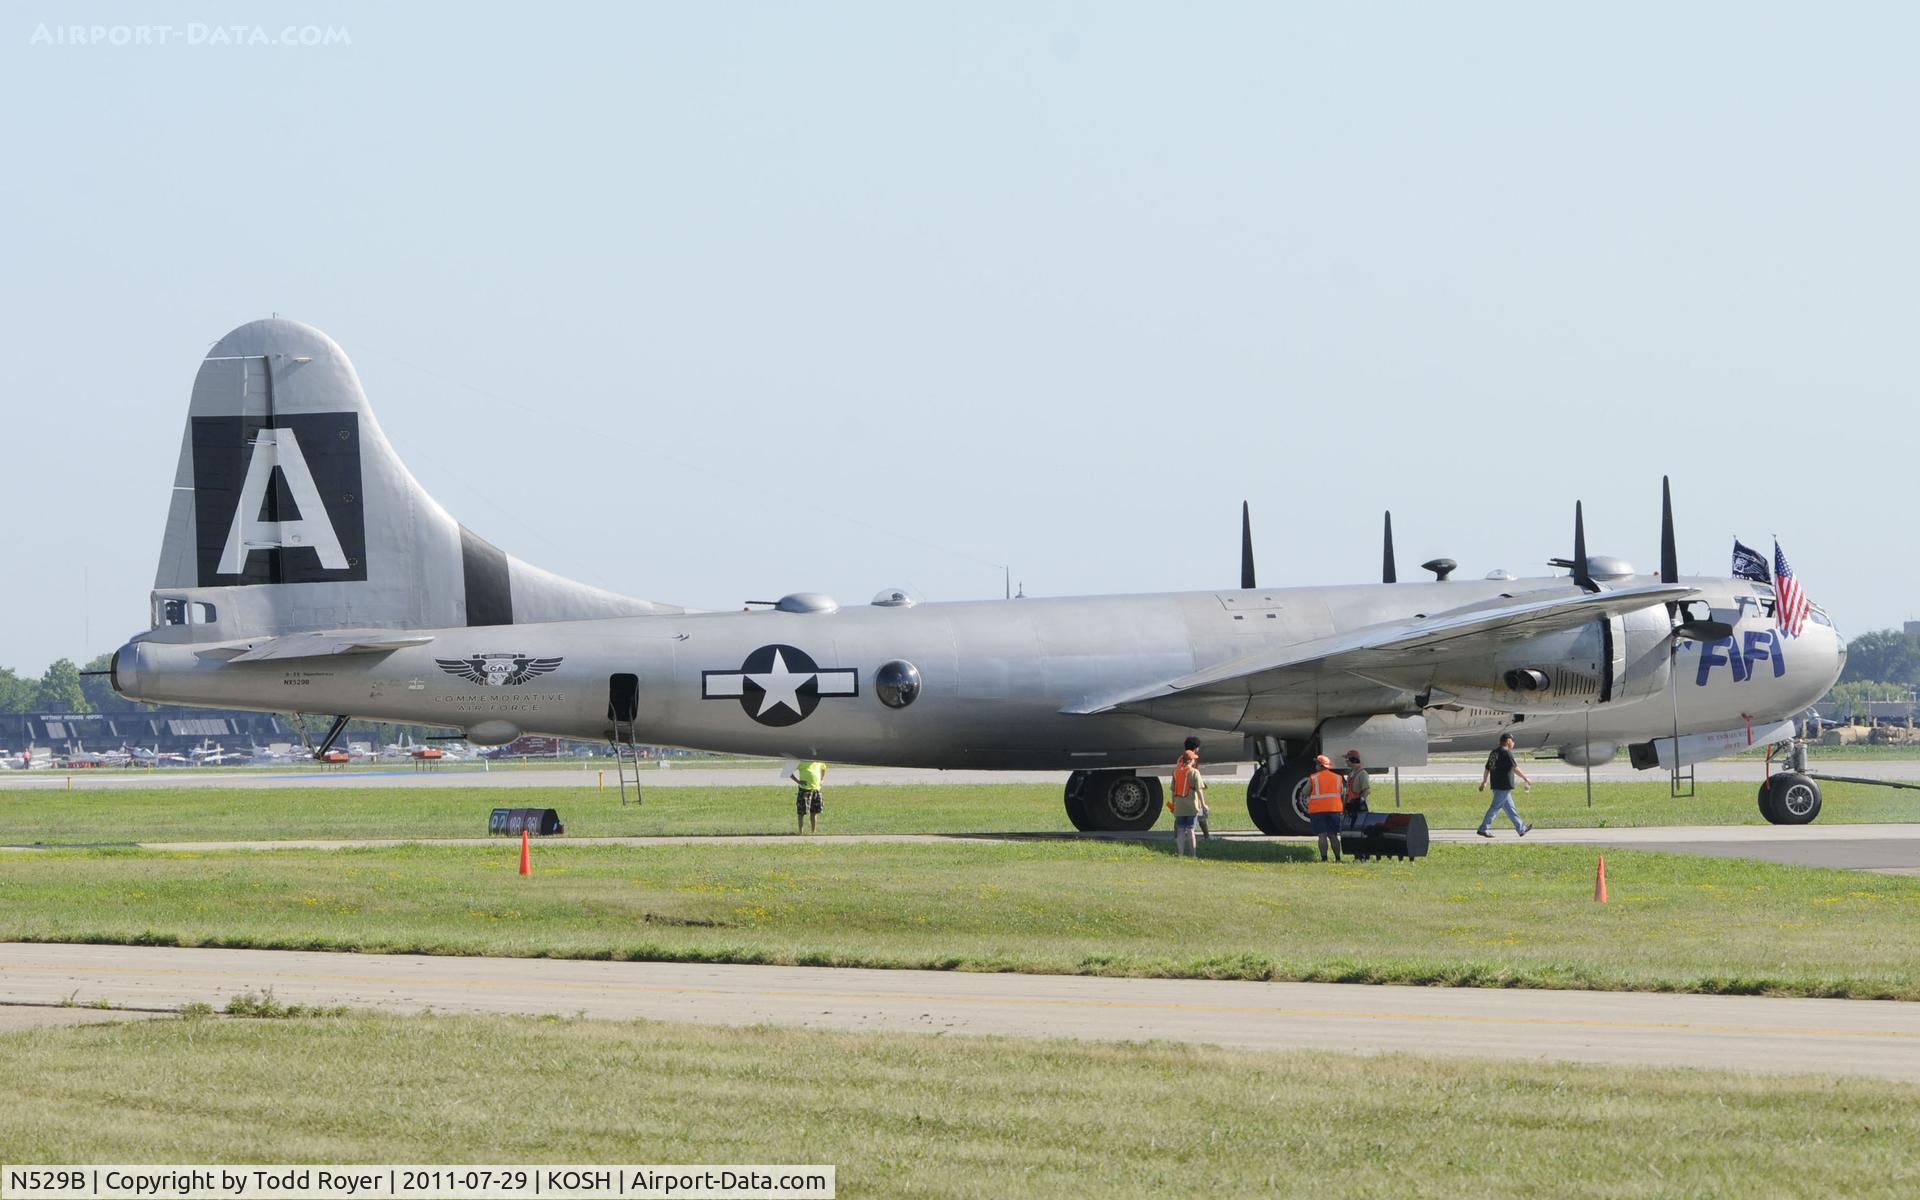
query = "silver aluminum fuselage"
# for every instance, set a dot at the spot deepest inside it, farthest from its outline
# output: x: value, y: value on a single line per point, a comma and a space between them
x: 996, y: 677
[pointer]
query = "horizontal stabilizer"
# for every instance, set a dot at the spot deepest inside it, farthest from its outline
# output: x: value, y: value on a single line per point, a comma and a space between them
x: 317, y: 645
x: 1472, y: 630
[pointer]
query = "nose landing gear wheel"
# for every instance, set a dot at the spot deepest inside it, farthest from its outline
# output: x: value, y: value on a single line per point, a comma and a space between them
x: 1790, y: 798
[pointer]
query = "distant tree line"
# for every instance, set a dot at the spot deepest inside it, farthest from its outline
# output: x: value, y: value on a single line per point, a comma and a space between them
x: 62, y: 688
x: 1887, y: 656
x: 1881, y: 665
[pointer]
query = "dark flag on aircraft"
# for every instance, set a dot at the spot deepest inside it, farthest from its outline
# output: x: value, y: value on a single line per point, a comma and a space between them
x: 1749, y: 563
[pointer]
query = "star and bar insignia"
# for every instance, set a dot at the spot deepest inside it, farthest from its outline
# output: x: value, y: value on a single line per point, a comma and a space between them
x: 779, y: 684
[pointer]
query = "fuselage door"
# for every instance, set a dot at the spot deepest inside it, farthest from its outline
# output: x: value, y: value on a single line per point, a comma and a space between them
x: 623, y: 699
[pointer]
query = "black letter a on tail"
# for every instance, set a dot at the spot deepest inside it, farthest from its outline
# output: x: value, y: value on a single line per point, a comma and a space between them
x: 277, y: 500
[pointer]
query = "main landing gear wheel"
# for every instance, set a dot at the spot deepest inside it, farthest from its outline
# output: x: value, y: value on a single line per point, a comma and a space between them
x: 1076, y: 800
x: 1257, y: 806
x: 1112, y: 801
x: 1789, y: 798
x: 1277, y: 801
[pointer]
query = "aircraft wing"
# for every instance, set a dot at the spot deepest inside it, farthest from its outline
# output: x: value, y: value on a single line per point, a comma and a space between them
x: 318, y: 645
x: 1471, y: 630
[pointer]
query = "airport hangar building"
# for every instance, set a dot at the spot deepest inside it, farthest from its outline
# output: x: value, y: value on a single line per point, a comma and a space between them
x: 169, y: 730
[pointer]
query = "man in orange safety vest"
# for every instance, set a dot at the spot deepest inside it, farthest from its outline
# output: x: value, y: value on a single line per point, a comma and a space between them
x: 1189, y: 803
x: 1324, y: 806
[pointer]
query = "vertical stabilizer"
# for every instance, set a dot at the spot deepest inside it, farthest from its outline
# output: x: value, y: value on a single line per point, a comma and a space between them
x: 291, y: 512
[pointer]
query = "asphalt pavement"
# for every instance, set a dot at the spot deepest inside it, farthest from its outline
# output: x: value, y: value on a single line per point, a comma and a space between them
x: 1891, y: 849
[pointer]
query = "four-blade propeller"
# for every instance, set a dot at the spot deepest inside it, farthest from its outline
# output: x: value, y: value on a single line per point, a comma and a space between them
x: 1580, y: 565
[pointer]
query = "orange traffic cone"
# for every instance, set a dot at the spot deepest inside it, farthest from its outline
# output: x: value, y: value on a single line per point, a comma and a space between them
x: 526, y: 857
x: 1599, y: 881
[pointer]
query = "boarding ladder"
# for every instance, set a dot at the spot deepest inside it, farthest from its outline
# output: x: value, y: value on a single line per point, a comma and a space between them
x: 626, y: 760
x: 623, y: 703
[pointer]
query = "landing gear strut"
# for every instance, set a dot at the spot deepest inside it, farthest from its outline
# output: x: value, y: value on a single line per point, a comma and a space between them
x: 1112, y: 801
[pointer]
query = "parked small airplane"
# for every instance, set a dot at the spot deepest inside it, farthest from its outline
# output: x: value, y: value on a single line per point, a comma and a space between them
x: 77, y: 755
x: 143, y: 756
x: 211, y: 754
x: 31, y: 758
x: 304, y: 568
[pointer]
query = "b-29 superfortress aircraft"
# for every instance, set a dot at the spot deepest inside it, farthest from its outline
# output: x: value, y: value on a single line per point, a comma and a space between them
x: 304, y: 569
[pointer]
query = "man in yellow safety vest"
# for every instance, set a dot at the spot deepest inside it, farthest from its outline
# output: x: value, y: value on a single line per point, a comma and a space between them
x: 809, y: 777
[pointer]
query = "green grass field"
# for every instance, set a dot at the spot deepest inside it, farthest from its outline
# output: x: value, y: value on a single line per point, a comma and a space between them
x: 1909, y: 750
x: 922, y: 1115
x: 1506, y: 915
x: 119, y: 815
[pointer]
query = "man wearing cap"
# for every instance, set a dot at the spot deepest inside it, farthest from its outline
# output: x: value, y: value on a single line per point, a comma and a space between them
x: 1500, y: 770
x: 1191, y: 752
x: 1324, y: 806
x: 1359, y: 787
x: 1189, y: 803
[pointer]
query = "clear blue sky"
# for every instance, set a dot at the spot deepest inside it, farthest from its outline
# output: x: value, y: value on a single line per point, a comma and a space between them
x: 703, y: 302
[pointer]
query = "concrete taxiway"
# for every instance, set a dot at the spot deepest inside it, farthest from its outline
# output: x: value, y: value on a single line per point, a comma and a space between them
x: 1889, y: 849
x: 1748, y: 1033
x: 597, y: 773
x: 1892, y: 849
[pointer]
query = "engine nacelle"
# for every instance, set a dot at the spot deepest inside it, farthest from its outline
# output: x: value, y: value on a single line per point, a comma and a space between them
x: 1608, y: 661
x: 1588, y: 754
x: 1642, y: 664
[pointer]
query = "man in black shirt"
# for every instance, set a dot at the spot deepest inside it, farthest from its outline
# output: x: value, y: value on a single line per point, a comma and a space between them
x: 1500, y: 769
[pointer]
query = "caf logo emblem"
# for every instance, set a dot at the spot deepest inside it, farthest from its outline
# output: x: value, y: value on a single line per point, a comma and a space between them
x: 498, y: 670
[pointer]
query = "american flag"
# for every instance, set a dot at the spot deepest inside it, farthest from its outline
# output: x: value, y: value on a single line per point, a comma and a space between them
x: 1790, y: 603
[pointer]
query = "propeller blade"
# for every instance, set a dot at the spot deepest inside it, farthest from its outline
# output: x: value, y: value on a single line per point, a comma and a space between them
x: 1581, y: 574
x: 1246, y: 548
x: 1702, y: 631
x: 1669, y: 554
x: 1387, y: 573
